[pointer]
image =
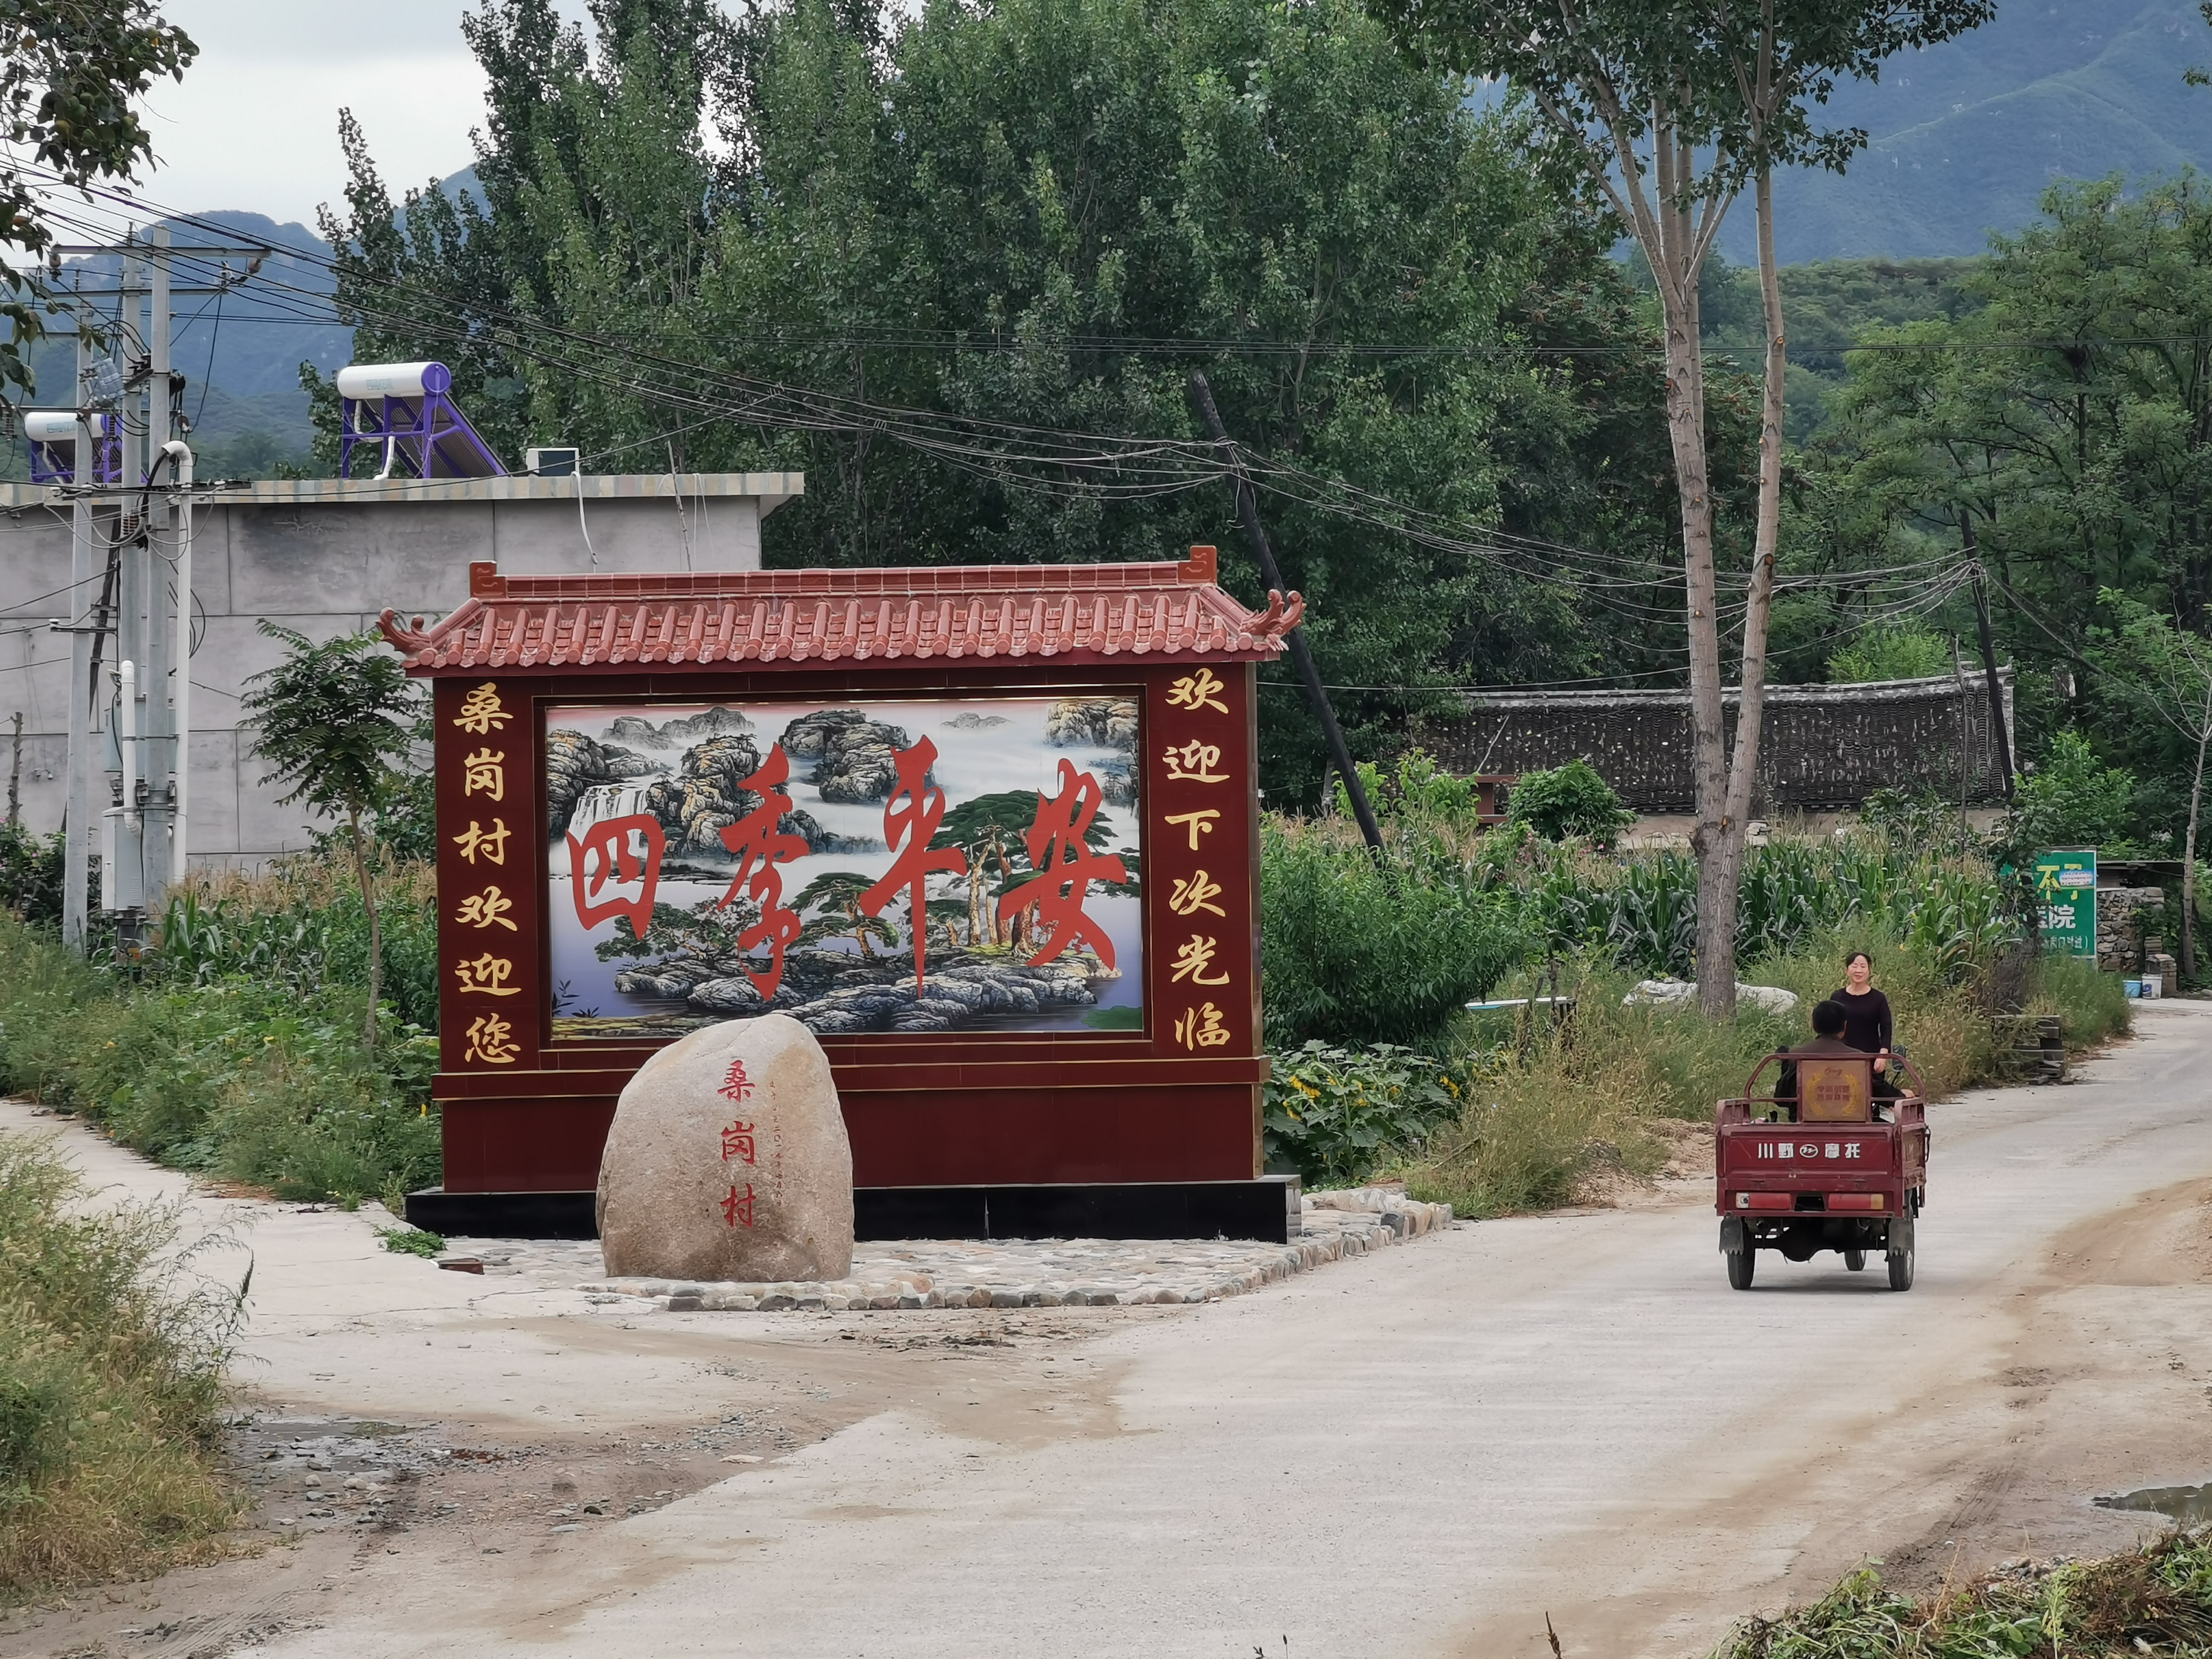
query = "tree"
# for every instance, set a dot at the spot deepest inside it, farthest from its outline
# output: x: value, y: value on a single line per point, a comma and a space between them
x: 834, y: 896
x: 2055, y: 430
x: 2168, y: 671
x: 1041, y: 216
x: 1668, y: 113
x: 330, y: 720
x: 67, y: 83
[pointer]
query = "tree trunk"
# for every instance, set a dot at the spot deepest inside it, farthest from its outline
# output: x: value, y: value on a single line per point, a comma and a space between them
x: 375, y: 931
x: 1686, y: 429
x: 1759, y: 605
x: 2189, y: 852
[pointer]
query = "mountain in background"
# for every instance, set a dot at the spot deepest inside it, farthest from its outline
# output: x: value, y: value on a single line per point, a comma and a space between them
x: 1966, y: 136
x: 240, y: 353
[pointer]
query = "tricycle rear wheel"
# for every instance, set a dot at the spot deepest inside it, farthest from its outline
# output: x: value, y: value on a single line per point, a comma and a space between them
x: 1855, y: 1260
x: 1742, y: 1265
x: 1900, y: 1270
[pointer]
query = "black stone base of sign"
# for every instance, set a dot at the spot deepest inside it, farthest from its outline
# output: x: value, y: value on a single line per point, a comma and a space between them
x: 504, y: 1215
x: 1265, y: 1210
x: 1262, y: 1209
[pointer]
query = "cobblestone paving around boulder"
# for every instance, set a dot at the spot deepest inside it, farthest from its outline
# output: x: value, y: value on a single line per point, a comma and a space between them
x: 1017, y: 1273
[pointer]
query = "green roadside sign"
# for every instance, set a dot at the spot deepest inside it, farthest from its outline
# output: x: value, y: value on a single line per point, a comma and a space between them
x: 2066, y: 888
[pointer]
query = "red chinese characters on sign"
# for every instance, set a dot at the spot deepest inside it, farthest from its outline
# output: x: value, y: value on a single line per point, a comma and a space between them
x: 738, y: 1212
x: 1060, y: 853
x: 615, y: 852
x: 735, y: 1085
x: 760, y: 846
x: 910, y: 819
x: 738, y: 1141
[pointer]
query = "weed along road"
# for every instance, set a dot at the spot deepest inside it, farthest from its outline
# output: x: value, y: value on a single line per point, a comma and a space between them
x: 1419, y: 1452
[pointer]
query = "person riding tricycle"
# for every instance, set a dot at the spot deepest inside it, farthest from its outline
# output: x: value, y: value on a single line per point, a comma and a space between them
x: 1834, y: 1159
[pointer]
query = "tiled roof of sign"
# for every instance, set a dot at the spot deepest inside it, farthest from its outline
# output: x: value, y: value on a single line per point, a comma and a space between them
x: 1080, y: 612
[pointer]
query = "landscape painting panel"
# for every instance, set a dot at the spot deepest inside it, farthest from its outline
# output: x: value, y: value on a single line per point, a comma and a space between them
x: 713, y: 861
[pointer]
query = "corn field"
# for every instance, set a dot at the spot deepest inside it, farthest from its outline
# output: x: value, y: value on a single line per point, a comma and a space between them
x: 1643, y: 907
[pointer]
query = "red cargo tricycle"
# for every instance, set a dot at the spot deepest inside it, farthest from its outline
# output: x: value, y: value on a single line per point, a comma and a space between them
x: 1814, y: 1165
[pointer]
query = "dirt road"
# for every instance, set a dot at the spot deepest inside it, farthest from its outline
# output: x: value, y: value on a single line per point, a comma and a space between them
x: 1417, y: 1453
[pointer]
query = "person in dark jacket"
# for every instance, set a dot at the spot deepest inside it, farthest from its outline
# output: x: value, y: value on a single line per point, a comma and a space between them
x: 1867, y: 1025
x: 1828, y: 1022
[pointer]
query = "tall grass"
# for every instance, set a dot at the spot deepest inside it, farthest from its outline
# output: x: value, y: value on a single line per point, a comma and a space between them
x: 261, y: 1078
x: 111, y: 1359
x: 2155, y: 1601
x: 1550, y: 1106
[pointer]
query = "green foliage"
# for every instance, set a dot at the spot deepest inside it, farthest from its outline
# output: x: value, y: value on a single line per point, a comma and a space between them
x: 1330, y: 1113
x: 2072, y: 799
x: 1891, y: 653
x: 2049, y: 429
x: 1569, y: 800
x: 330, y: 720
x: 1416, y: 787
x: 1361, y: 951
x: 252, y: 1076
x: 31, y: 874
x: 412, y: 1241
x: 1036, y: 218
x: 112, y: 1356
x: 2155, y: 1600
x: 305, y: 942
x: 68, y: 84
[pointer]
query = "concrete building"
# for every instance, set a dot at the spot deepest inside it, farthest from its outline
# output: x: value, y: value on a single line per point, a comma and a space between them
x: 323, y: 556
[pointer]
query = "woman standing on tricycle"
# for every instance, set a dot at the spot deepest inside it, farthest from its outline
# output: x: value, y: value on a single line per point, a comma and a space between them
x: 1867, y: 1025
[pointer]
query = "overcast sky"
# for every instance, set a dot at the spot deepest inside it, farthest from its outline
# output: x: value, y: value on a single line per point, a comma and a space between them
x: 254, y: 124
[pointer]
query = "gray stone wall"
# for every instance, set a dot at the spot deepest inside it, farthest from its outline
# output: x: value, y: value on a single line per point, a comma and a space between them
x: 323, y: 556
x: 1821, y: 746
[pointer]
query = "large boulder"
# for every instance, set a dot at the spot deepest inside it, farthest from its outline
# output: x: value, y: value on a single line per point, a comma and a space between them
x: 728, y: 1160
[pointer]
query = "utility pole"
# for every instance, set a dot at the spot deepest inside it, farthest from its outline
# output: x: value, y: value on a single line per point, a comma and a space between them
x: 146, y: 565
x: 1998, y: 728
x: 157, y: 542
x: 76, y: 815
x: 16, y: 775
x: 1247, y: 510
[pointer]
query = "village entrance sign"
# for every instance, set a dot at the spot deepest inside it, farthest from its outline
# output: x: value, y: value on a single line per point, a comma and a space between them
x: 990, y: 832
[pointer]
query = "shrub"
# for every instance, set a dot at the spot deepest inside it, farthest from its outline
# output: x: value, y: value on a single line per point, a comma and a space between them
x: 1361, y: 951
x: 1416, y: 787
x: 260, y: 1079
x: 31, y: 874
x: 111, y: 1382
x: 2155, y: 1600
x: 1330, y: 1113
x: 1569, y: 800
x: 1891, y: 653
x: 2072, y: 799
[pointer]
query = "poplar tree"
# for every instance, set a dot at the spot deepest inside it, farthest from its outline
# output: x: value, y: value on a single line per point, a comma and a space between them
x: 1669, y: 114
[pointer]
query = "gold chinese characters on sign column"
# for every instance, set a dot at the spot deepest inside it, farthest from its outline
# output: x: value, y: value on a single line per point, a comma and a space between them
x: 483, y: 777
x: 1189, y: 757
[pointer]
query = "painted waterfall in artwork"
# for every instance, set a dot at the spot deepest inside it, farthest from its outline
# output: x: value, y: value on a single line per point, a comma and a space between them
x: 878, y: 865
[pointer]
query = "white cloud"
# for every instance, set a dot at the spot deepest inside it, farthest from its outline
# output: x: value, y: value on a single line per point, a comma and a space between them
x: 254, y: 124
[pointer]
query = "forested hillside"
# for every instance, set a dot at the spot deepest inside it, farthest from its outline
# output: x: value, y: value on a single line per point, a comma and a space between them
x: 1966, y: 136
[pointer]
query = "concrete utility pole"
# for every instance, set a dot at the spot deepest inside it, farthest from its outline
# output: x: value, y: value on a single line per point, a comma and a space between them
x: 130, y: 568
x: 134, y: 579
x: 77, y: 819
